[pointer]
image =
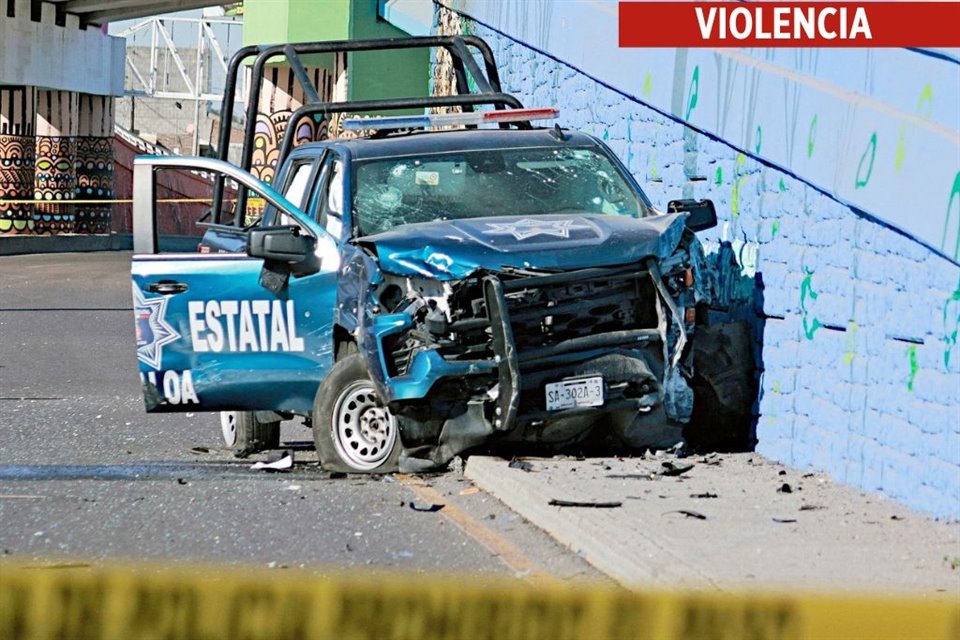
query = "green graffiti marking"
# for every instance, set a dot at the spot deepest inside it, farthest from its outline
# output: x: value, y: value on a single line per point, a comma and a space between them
x: 719, y: 177
x: 954, y: 195
x: 925, y: 100
x: 782, y: 186
x: 850, y: 343
x: 872, y: 150
x: 738, y: 180
x: 774, y: 228
x: 812, y: 136
x: 771, y: 414
x: 901, y: 149
x: 647, y: 84
x: 914, y: 366
x: 756, y: 147
x: 806, y: 291
x: 694, y: 91
x: 951, y: 325
x: 606, y: 134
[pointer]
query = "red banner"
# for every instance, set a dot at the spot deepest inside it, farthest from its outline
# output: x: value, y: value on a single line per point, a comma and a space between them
x: 789, y: 24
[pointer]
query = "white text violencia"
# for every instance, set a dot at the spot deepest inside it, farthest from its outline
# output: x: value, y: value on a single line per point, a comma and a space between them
x: 783, y: 23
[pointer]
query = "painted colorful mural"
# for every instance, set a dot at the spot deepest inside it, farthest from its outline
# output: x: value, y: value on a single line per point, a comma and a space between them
x: 17, y: 110
x: 55, y: 177
x: 94, y: 165
x: 280, y: 96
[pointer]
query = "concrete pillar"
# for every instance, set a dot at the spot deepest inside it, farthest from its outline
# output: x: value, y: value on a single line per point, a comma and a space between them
x: 94, y: 164
x: 55, y: 179
x: 17, y: 111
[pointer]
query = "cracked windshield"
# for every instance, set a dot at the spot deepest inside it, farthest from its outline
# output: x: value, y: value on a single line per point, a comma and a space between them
x: 508, y: 182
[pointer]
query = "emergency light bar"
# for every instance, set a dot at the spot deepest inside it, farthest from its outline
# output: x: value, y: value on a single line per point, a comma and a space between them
x: 450, y: 119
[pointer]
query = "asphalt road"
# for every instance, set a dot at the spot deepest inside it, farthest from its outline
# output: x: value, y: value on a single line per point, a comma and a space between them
x: 87, y: 476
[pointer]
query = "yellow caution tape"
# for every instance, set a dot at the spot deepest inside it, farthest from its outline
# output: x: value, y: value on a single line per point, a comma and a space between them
x: 114, y: 201
x: 154, y: 603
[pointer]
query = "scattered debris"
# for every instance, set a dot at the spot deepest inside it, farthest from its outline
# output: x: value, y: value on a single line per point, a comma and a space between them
x: 554, y: 502
x: 895, y: 517
x: 469, y: 491
x: 182, y: 481
x: 785, y: 488
x: 784, y: 520
x: 632, y: 476
x: 808, y: 475
x: 457, y: 465
x: 199, y: 450
x: 389, y: 479
x: 277, y: 565
x: 782, y: 472
x: 670, y: 469
x: 711, y: 459
x: 690, y: 513
x: 811, y: 507
x: 430, y: 508
x: 518, y: 463
x: 336, y: 475
x: 293, y: 487
x: 283, y: 463
x: 706, y: 494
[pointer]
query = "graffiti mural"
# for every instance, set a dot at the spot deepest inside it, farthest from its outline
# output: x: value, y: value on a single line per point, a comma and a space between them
x: 94, y: 165
x: 94, y: 168
x: 16, y: 159
x: 54, y: 183
x: 55, y: 178
x: 280, y: 96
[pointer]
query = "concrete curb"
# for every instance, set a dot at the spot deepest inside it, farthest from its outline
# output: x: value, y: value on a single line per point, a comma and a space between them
x: 22, y: 245
x: 594, y: 534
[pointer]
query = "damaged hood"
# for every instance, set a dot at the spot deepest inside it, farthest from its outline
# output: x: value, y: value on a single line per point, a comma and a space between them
x: 454, y: 249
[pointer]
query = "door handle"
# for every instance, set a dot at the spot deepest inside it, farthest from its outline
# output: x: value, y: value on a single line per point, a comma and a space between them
x: 167, y: 287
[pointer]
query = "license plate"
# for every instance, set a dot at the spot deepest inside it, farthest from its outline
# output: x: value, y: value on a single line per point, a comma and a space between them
x: 575, y: 392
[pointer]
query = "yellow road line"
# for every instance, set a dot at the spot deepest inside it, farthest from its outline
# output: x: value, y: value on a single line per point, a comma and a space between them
x: 508, y: 553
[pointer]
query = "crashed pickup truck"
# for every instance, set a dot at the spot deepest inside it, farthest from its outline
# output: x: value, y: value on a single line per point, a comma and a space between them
x: 415, y: 293
x: 438, y: 291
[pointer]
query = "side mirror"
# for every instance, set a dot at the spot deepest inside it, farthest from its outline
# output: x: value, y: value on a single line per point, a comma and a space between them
x: 285, y: 251
x: 701, y: 214
x: 287, y: 244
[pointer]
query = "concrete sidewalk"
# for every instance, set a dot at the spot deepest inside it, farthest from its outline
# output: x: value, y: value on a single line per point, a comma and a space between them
x: 732, y: 521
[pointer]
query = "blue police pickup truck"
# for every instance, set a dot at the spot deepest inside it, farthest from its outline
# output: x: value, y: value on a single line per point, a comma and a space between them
x: 426, y: 289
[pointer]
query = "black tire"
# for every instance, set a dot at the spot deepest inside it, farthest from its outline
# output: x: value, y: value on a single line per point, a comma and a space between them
x: 244, y: 434
x: 724, y: 387
x: 353, y: 431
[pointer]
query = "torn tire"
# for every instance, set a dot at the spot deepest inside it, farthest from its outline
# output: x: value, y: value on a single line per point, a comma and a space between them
x: 725, y: 388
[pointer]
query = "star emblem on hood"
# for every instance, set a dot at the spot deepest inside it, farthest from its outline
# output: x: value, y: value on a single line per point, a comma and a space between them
x: 153, y: 331
x: 527, y: 228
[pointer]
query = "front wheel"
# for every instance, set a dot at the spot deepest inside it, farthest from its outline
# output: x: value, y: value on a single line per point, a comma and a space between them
x: 353, y: 431
x: 244, y: 434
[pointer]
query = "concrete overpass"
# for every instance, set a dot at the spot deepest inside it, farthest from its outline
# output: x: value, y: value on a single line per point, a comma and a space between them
x: 59, y: 74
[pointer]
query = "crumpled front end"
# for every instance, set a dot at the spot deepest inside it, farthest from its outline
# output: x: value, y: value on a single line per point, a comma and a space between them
x: 489, y: 357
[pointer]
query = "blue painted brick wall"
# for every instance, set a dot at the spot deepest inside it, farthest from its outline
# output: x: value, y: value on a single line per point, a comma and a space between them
x: 861, y: 370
